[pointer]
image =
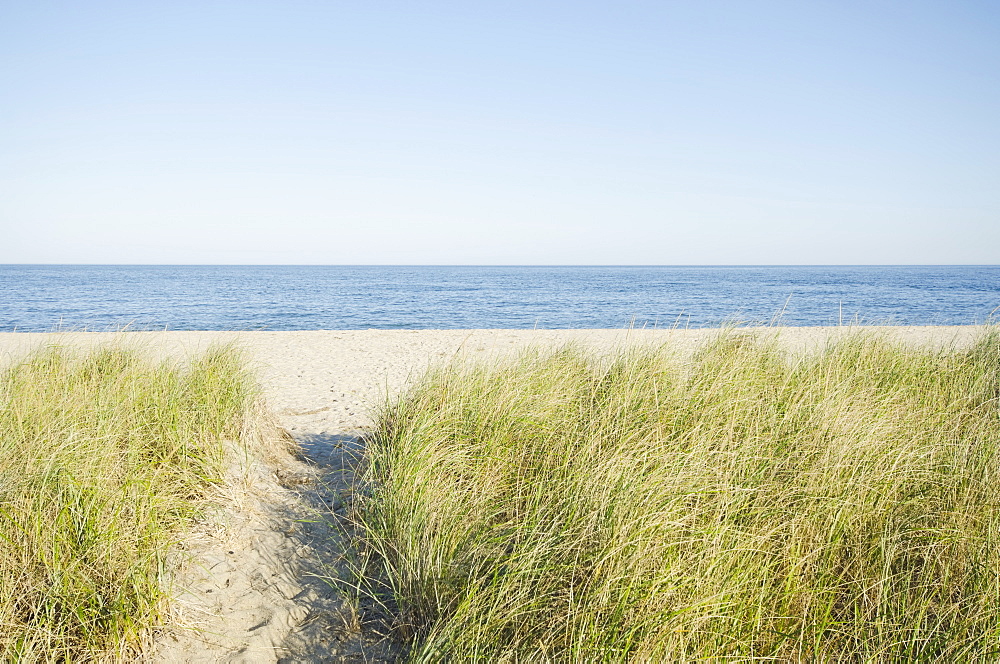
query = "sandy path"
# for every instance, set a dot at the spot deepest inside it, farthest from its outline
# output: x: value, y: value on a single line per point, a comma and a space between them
x: 252, y: 585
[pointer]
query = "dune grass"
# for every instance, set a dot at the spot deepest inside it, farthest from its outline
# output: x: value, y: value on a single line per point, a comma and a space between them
x: 104, y: 459
x: 742, y: 504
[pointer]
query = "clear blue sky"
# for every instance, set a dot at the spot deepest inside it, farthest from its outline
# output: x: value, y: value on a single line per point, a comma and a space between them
x: 327, y: 132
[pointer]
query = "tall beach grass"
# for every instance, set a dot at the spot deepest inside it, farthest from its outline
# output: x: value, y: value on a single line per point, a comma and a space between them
x: 743, y: 504
x: 105, y: 459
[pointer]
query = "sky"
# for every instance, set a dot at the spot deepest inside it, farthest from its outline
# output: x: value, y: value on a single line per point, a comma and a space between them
x: 610, y: 133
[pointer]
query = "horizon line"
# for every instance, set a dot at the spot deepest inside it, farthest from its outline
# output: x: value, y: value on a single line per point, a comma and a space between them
x: 505, y: 265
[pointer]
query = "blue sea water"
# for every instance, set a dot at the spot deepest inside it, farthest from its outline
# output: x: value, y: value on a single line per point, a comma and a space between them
x: 42, y: 298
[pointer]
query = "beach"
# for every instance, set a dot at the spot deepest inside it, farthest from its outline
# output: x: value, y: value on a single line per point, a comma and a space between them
x: 249, y: 585
x: 328, y: 381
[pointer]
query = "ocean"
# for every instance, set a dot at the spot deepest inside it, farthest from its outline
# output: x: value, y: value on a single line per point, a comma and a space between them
x: 45, y: 298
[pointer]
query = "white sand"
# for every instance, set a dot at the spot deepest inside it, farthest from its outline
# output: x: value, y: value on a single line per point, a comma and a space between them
x: 322, y: 382
x: 249, y: 584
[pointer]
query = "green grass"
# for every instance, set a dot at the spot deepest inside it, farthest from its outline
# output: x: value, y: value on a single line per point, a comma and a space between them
x: 104, y: 460
x: 843, y: 506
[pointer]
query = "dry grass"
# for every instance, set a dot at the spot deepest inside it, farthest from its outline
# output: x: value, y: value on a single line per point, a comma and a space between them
x: 743, y: 505
x: 104, y: 460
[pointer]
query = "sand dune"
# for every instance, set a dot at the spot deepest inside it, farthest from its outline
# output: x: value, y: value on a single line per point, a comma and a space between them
x: 250, y: 583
